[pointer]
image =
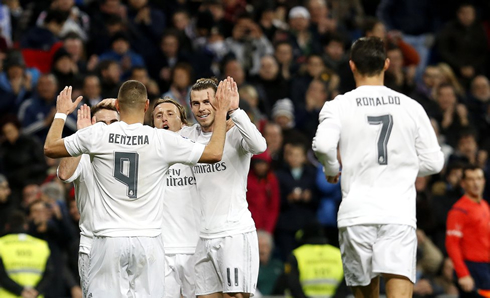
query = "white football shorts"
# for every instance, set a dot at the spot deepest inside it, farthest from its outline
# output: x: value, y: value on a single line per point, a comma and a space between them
x: 227, y: 264
x: 370, y: 250
x: 127, y: 267
x: 180, y: 276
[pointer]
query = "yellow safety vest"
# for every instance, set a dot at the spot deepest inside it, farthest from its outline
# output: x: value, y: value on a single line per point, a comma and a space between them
x: 24, y: 258
x: 320, y: 269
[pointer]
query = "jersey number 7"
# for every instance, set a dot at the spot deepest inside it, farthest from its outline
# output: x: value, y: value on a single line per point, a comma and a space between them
x: 386, y: 122
x: 126, y: 171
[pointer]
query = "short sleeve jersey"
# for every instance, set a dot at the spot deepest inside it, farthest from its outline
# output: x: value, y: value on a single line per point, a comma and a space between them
x: 129, y: 164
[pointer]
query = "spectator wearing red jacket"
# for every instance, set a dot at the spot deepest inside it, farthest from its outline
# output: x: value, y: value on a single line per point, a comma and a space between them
x: 263, y: 193
x: 468, y: 236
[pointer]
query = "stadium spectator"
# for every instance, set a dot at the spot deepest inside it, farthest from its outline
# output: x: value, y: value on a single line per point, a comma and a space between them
x: 148, y: 23
x: 36, y: 113
x: 91, y: 90
x: 283, y: 52
x: 463, y: 43
x: 7, y: 204
x: 180, y: 87
x: 263, y: 194
x: 299, y: 197
x: 270, y: 268
x: 16, y: 83
x: 110, y: 78
x: 121, y: 53
x: 77, y: 20
x: 315, y: 267
x: 25, y: 261
x: 452, y: 116
x: 270, y: 81
x: 468, y: 236
x: 22, y: 156
x: 248, y: 44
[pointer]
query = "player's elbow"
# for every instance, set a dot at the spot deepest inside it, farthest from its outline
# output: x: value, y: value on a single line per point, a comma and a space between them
x: 62, y: 174
x: 431, y: 165
x: 261, y: 147
x: 49, y: 151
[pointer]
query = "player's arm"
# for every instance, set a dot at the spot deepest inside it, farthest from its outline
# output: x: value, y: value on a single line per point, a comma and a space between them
x: 68, y: 165
x: 54, y: 145
x: 213, y: 152
x: 252, y: 139
x: 431, y: 158
x: 454, y: 235
x: 326, y: 141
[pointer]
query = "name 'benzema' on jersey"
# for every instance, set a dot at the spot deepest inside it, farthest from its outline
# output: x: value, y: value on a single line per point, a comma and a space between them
x: 115, y: 138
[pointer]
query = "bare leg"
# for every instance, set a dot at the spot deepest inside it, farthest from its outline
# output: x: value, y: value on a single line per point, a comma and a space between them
x: 236, y: 295
x: 398, y: 286
x: 369, y: 291
x: 214, y: 295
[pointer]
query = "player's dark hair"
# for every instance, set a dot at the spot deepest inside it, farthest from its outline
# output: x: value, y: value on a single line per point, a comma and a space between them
x: 369, y: 56
x: 168, y: 99
x: 132, y: 94
x: 205, y: 83
x: 469, y: 167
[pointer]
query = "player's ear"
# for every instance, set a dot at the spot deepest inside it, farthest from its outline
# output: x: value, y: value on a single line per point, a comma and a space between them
x: 387, y: 64
x: 116, y: 104
x: 93, y: 120
x: 352, y: 66
x: 147, y: 105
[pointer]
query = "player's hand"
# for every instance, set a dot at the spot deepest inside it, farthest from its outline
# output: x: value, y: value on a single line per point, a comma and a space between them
x: 64, y: 104
x: 333, y: 179
x: 222, y: 99
x: 235, y: 97
x: 467, y: 283
x: 83, y: 117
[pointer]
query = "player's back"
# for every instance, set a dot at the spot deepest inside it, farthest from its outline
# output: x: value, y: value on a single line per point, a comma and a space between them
x: 379, y: 131
x: 130, y: 162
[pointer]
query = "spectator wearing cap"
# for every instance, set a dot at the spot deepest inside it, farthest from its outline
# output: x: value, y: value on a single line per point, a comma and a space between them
x: 121, y: 52
x: 16, y: 82
x: 304, y: 41
x: 263, y: 194
x: 283, y: 115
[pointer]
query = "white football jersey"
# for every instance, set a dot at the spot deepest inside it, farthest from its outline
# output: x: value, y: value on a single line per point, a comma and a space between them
x: 130, y: 163
x: 222, y: 186
x: 181, y: 211
x: 385, y: 140
x: 83, y: 180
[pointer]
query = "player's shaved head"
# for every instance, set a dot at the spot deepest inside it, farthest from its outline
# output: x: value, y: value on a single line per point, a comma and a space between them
x: 132, y: 96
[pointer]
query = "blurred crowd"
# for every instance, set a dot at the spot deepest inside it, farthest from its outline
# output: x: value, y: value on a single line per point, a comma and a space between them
x: 287, y: 57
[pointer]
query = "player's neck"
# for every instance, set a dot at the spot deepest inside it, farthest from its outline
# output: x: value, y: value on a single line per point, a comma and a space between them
x: 476, y: 199
x: 207, y: 129
x: 369, y: 81
x: 132, y: 119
